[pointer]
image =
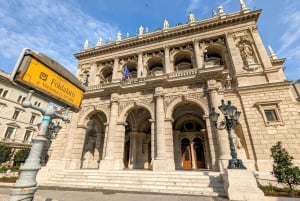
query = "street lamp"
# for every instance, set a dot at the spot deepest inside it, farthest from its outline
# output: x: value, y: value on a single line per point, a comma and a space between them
x: 231, y: 116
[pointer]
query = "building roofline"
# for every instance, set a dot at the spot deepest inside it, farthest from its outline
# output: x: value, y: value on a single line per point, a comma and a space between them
x: 177, y: 31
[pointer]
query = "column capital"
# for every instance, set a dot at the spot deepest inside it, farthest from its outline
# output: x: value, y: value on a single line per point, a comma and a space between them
x: 151, y: 121
x: 159, y: 91
x: 212, y: 85
x: 195, y: 41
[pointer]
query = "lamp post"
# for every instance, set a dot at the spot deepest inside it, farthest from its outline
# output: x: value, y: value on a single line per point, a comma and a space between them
x: 231, y: 116
x: 26, y: 185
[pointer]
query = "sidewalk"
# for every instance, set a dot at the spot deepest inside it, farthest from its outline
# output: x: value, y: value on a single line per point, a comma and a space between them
x: 60, y: 194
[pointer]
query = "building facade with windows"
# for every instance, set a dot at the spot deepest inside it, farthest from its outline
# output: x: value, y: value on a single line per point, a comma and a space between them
x: 17, y: 124
x: 149, y: 97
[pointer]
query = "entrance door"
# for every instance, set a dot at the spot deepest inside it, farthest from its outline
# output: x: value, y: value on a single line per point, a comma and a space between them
x: 199, y: 152
x: 186, y: 154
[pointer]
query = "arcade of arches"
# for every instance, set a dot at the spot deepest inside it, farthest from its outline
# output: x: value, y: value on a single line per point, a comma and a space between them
x: 189, y: 139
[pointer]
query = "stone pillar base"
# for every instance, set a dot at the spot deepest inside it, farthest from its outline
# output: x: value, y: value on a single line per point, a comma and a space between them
x: 111, y: 164
x: 241, y: 185
x: 24, y: 194
x: 163, y: 165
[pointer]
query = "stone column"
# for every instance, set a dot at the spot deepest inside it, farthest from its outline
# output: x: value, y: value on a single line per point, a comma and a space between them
x: 197, y: 53
x: 159, y: 163
x: 140, y: 65
x: 115, y: 75
x: 68, y: 155
x: 93, y: 74
x: 108, y: 162
x: 133, y: 144
x: 212, y: 144
x: 194, y: 159
x: 168, y: 67
x: 153, y: 144
x: 139, y: 163
x: 222, y: 135
x: 159, y: 128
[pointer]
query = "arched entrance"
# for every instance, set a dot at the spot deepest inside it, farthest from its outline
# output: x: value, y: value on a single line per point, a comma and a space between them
x: 190, y: 137
x: 137, y: 147
x: 94, y: 140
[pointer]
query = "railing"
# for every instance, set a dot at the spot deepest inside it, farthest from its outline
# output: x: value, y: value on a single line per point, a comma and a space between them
x: 183, y: 73
x: 134, y: 81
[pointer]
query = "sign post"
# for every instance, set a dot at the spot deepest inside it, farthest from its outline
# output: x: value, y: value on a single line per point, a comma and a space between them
x: 51, y: 80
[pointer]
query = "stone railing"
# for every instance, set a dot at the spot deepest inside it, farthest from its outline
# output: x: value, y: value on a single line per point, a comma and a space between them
x: 134, y: 81
x: 183, y: 73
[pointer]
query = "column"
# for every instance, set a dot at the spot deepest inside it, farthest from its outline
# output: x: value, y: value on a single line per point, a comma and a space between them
x: 93, y: 74
x: 159, y: 128
x: 197, y: 54
x: 153, y: 144
x: 108, y: 162
x: 133, y: 144
x: 222, y: 135
x: 168, y: 67
x: 140, y: 65
x: 115, y: 76
x: 194, y: 159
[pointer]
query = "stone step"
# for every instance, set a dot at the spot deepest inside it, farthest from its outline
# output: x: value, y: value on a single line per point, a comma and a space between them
x: 192, y: 183
x: 146, y: 188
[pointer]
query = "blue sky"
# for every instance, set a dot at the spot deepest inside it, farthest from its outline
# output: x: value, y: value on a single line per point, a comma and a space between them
x: 59, y: 28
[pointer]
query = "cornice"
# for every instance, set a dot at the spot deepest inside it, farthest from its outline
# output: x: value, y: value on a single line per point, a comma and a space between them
x: 269, y: 86
x: 173, y: 32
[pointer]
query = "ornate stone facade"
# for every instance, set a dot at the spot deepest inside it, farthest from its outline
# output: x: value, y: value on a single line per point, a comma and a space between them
x: 157, y: 119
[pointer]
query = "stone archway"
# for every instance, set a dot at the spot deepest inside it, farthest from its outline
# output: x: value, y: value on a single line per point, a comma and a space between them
x: 94, y: 140
x: 190, y: 136
x: 137, y: 144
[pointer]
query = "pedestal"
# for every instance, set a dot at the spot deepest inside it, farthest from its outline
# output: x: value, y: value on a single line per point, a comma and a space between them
x: 241, y: 185
x: 163, y: 165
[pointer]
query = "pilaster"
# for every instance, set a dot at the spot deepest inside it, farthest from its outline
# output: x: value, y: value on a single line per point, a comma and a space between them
x: 168, y: 67
x: 115, y: 76
x: 140, y: 65
x: 222, y: 136
x: 197, y: 54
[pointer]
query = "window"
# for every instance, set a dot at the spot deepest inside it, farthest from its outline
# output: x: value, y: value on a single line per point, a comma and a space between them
x: 9, y: 132
x: 16, y: 114
x: 21, y: 99
x: 32, y: 119
x: 27, y: 136
x: 1, y: 90
x: 271, y: 112
x: 271, y: 115
x: 4, y: 93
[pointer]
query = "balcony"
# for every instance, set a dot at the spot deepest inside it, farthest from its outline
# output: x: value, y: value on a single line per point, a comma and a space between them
x: 203, y: 73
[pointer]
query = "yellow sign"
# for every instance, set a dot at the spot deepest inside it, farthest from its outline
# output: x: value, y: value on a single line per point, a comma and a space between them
x: 43, y: 78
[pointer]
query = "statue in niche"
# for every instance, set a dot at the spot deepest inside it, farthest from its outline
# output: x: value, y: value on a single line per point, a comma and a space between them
x: 247, y: 53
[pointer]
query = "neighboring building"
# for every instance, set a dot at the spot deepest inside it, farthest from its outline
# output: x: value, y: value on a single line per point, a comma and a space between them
x: 148, y: 102
x: 296, y: 89
x: 17, y: 124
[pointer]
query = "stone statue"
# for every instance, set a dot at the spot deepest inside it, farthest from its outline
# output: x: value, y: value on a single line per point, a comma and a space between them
x: 166, y: 24
x: 86, y: 45
x: 99, y: 42
x: 191, y: 17
x: 119, y: 36
x: 141, y: 30
x: 246, y: 53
